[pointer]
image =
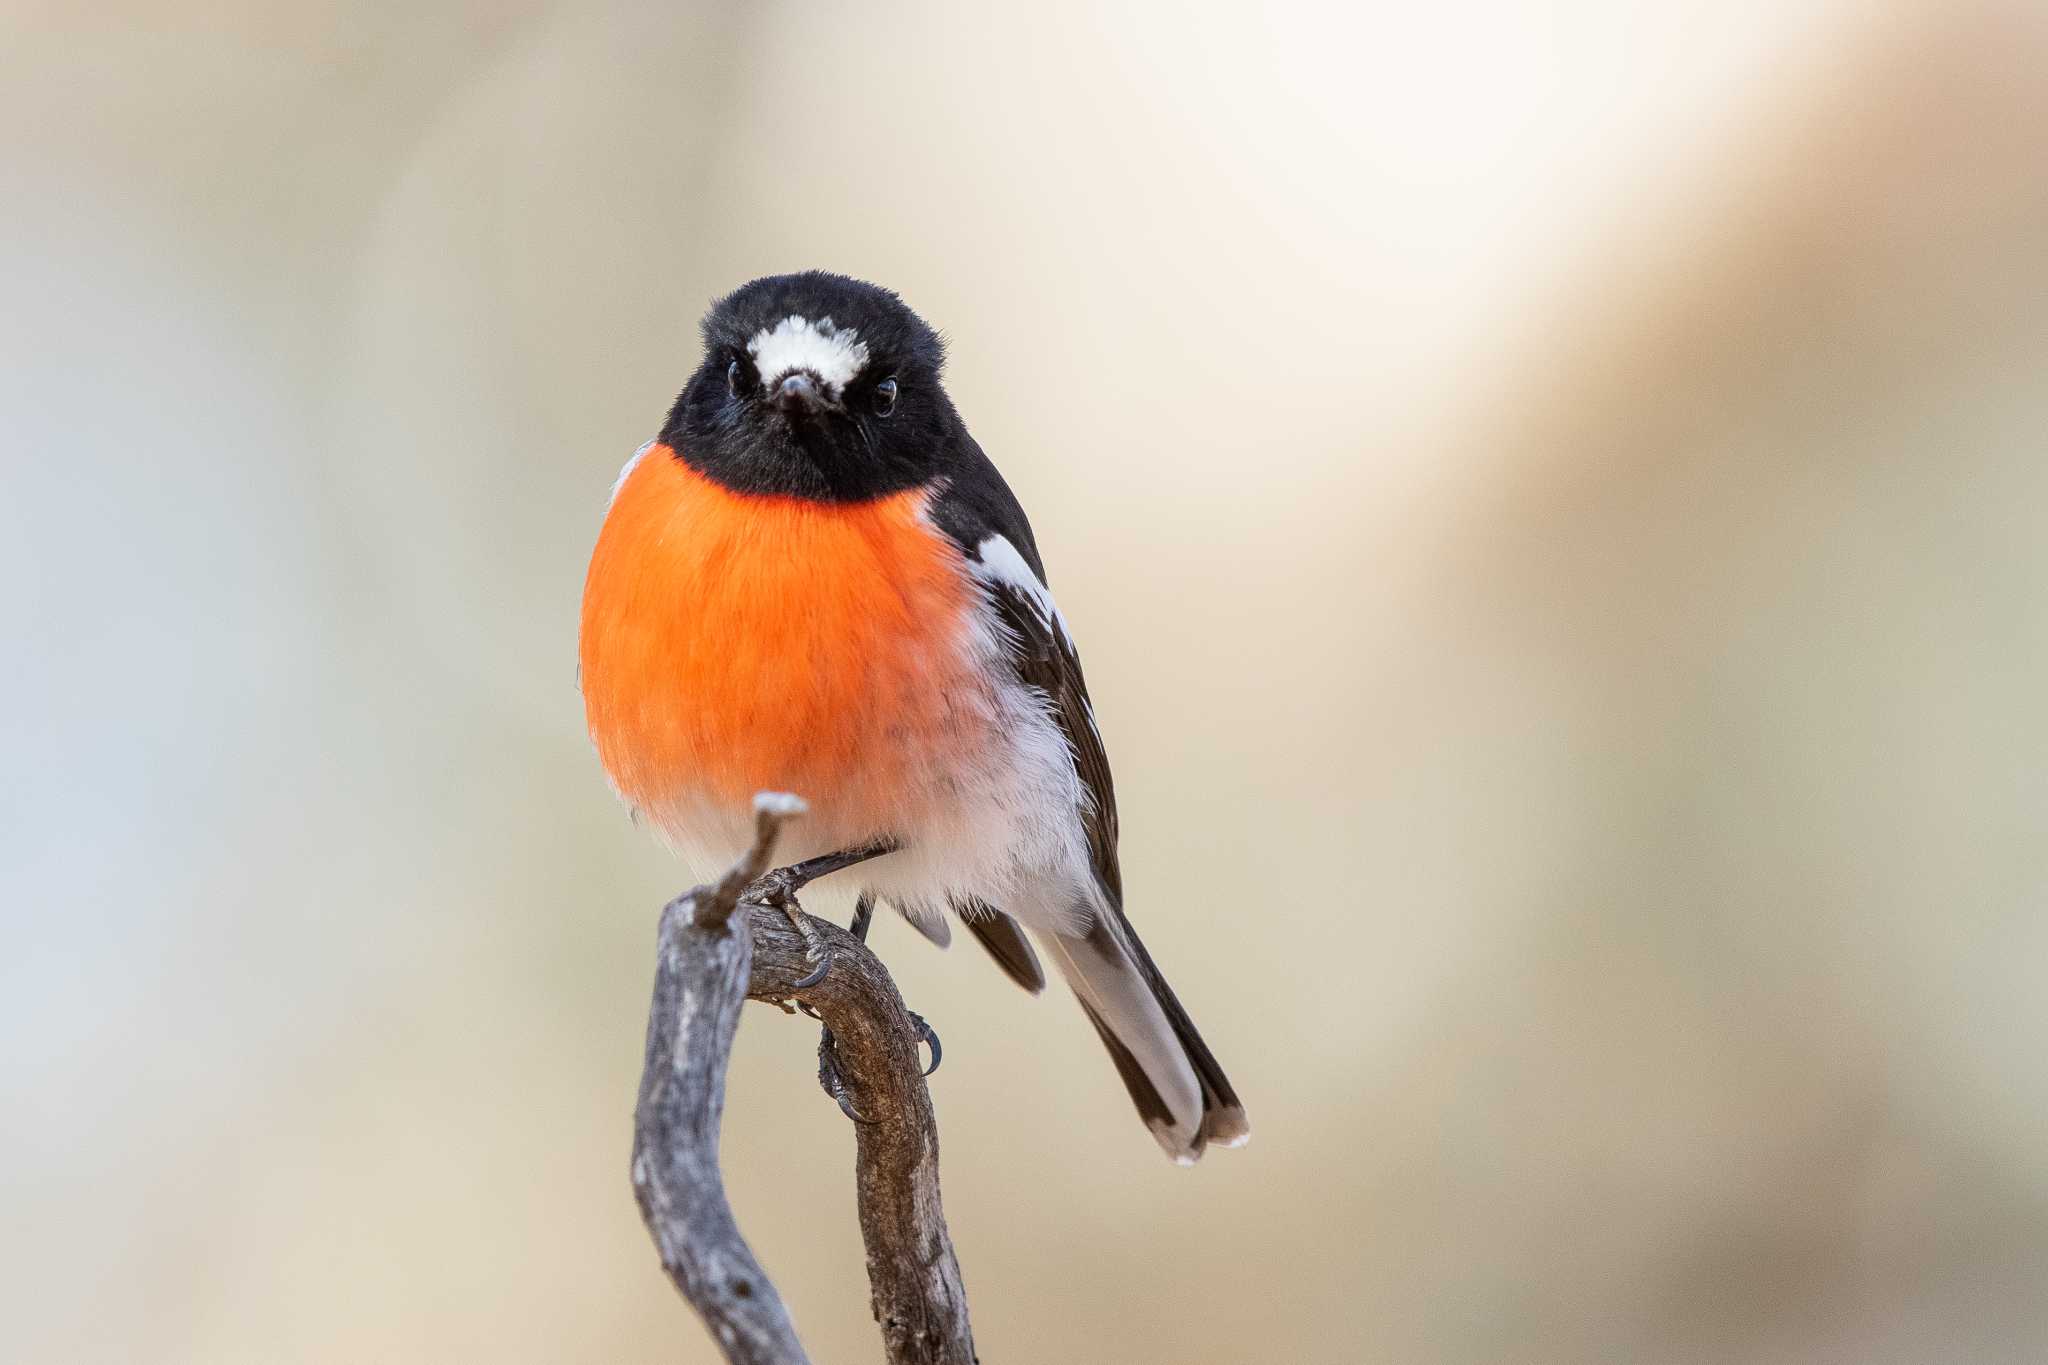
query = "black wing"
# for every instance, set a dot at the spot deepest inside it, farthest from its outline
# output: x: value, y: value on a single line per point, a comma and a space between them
x: 1149, y: 1035
x: 973, y: 507
x: 1005, y: 941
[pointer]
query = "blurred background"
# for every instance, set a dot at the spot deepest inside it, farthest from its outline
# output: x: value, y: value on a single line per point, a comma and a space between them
x: 1552, y: 500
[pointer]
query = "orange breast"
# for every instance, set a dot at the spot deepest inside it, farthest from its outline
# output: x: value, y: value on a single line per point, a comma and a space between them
x: 735, y: 642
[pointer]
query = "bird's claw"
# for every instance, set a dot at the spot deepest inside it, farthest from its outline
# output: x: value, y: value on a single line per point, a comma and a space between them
x: 831, y: 1076
x: 815, y: 951
x: 929, y: 1036
x: 832, y: 1080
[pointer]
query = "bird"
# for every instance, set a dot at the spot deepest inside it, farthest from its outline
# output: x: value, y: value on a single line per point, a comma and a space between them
x: 813, y: 580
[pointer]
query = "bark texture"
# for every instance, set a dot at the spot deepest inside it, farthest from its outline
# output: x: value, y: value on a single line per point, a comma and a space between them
x: 737, y: 940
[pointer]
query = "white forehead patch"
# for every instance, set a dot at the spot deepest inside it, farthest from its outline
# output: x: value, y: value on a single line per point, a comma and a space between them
x: 834, y: 354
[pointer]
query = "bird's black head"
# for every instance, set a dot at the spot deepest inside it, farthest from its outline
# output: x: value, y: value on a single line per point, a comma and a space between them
x: 818, y: 386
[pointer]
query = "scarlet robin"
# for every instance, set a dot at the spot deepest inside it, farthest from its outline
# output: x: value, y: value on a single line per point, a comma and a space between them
x: 814, y: 581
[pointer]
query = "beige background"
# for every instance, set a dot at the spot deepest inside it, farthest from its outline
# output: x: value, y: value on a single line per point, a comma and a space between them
x: 1552, y: 499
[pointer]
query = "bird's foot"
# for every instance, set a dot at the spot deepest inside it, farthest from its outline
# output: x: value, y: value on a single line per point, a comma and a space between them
x: 792, y: 879
x: 832, y: 1076
x: 815, y: 951
x: 832, y: 1073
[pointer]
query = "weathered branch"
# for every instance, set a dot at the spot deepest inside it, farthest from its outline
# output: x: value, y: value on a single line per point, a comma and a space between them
x: 704, y: 970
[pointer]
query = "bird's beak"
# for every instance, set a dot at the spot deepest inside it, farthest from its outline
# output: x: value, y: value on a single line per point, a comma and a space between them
x: 798, y: 393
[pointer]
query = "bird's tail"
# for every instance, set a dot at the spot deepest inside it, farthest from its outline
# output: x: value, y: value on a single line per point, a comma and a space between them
x: 1180, y: 1091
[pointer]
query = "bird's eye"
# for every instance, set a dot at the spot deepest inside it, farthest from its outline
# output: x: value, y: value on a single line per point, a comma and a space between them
x: 885, y: 398
x: 733, y: 376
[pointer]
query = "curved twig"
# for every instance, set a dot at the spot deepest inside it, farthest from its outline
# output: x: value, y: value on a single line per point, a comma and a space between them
x: 704, y: 970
